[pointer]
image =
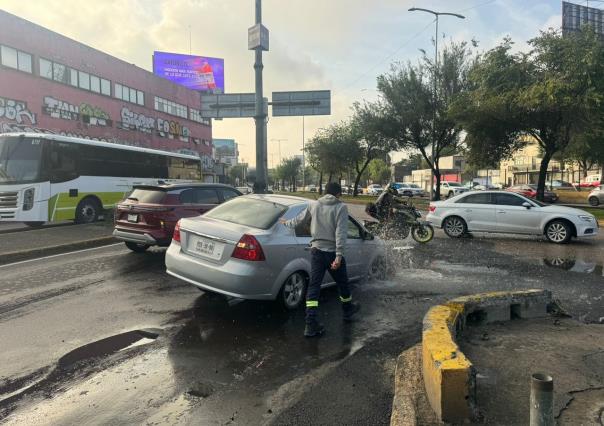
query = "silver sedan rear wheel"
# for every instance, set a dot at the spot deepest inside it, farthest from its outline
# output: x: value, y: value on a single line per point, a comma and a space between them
x: 454, y: 227
x: 558, y: 232
x: 293, y: 291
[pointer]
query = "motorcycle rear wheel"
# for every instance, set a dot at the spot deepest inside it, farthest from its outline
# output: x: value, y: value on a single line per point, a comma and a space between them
x: 422, y: 233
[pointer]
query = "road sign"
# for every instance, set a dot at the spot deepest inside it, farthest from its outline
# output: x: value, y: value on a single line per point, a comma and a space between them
x: 257, y: 36
x: 232, y: 105
x: 312, y: 102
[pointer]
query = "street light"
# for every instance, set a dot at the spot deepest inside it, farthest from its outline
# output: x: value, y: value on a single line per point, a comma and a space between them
x: 436, y: 14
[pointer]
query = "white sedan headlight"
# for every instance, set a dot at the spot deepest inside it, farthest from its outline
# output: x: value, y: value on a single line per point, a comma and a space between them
x: 587, y: 218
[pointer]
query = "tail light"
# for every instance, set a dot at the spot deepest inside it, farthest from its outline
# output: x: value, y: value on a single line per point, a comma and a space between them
x: 176, y: 235
x: 432, y: 208
x: 248, y: 248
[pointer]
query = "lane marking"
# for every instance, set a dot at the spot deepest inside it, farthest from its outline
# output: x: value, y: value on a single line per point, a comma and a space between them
x: 60, y: 254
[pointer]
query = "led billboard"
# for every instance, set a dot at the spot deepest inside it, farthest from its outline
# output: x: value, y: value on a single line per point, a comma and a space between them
x: 194, y: 72
x: 574, y: 16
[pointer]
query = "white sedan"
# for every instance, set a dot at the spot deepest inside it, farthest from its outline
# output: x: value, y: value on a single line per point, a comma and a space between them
x: 505, y: 212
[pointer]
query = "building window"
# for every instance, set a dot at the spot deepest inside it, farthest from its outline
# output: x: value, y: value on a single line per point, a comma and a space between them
x: 73, y: 80
x: 129, y: 95
x: 95, y: 84
x: 16, y: 59
x: 195, y: 115
x: 84, y: 80
x: 170, y: 107
x: 105, y: 87
x: 45, y: 68
x: 59, y: 73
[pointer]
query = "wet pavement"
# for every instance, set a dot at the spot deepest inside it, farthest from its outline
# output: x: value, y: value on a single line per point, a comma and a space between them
x: 105, y: 336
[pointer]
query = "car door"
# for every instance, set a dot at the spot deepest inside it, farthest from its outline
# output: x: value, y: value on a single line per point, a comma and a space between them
x: 356, y: 250
x: 513, y: 217
x: 478, y: 211
x: 196, y: 201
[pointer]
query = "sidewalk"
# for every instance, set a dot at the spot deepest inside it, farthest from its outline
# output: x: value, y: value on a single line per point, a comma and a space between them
x: 506, y: 354
x: 22, y: 245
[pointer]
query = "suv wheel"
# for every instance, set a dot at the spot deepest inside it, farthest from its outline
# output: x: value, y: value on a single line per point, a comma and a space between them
x: 594, y: 201
x: 558, y: 232
x: 455, y: 226
x: 450, y: 194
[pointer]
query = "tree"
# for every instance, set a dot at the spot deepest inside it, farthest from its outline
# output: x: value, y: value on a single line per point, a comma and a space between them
x: 237, y: 174
x: 418, y: 114
x: 379, y: 171
x: 289, y: 169
x: 369, y: 138
x: 547, y: 95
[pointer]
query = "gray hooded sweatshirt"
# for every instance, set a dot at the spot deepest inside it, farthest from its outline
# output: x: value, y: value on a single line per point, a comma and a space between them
x: 328, y: 223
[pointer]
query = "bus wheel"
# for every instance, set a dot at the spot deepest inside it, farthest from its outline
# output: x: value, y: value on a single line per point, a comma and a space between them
x: 34, y: 224
x: 87, y: 211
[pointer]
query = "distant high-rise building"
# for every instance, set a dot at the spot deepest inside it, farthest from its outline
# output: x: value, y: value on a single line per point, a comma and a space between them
x: 575, y: 16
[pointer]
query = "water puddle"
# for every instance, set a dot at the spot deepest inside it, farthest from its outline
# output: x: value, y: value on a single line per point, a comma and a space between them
x: 573, y: 265
x: 71, y: 364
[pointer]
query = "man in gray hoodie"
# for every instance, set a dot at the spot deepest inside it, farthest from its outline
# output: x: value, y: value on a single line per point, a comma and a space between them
x: 328, y: 218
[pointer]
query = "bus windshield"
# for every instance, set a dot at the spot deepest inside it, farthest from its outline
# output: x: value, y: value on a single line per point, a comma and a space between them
x: 20, y: 160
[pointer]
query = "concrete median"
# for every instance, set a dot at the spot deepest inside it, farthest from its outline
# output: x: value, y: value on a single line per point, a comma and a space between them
x: 448, y: 375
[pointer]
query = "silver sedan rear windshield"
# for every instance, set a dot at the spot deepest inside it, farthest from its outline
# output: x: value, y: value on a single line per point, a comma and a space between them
x: 248, y: 212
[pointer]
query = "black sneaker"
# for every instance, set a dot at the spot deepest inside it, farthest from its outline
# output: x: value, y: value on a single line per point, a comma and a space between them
x: 313, y: 329
x: 350, y: 308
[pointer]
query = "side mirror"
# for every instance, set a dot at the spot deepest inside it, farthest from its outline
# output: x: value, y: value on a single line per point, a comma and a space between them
x: 526, y: 204
x: 367, y: 235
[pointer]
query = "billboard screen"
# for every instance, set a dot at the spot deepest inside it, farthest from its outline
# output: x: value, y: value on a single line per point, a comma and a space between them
x: 225, y: 147
x: 574, y: 16
x: 194, y: 72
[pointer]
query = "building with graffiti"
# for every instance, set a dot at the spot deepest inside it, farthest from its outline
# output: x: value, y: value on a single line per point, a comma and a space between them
x: 50, y: 83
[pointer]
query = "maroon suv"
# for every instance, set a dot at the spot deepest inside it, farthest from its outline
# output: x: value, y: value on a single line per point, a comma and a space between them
x: 148, y: 215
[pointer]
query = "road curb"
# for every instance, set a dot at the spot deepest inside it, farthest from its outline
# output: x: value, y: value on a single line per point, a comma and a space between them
x: 17, y: 256
x: 449, y: 377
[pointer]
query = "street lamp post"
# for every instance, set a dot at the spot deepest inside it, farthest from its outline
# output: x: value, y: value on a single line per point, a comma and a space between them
x: 279, y: 141
x: 436, y: 14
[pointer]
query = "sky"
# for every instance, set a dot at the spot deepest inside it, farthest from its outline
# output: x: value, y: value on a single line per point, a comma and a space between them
x: 338, y: 45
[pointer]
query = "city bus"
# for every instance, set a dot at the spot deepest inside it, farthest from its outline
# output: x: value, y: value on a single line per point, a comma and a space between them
x: 49, y: 178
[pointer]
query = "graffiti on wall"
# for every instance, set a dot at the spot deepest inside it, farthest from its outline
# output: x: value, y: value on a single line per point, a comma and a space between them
x: 57, y: 108
x: 169, y: 128
x: 134, y: 121
x: 15, y: 110
x: 94, y: 115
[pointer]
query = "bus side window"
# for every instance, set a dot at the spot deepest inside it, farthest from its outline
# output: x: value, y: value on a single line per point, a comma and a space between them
x: 63, y: 162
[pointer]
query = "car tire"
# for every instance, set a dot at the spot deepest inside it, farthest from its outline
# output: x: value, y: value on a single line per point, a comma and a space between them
x: 377, y: 270
x: 558, y: 232
x: 594, y: 201
x: 136, y: 247
x: 408, y: 194
x: 450, y: 194
x: 87, y: 211
x: 293, y: 292
x: 455, y: 227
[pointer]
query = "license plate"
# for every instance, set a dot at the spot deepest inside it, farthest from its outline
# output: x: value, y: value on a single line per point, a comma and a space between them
x: 133, y: 218
x: 205, y: 247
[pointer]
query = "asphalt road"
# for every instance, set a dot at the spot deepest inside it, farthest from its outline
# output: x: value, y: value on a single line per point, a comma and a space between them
x: 104, y: 336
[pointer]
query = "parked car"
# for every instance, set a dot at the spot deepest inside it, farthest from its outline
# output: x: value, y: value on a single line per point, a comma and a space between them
x: 374, y: 189
x: 561, y: 185
x: 510, y: 213
x: 409, y: 189
x: 596, y: 196
x: 148, y: 215
x: 310, y: 188
x: 451, y: 189
x: 531, y: 192
x: 591, y: 181
x: 240, y: 250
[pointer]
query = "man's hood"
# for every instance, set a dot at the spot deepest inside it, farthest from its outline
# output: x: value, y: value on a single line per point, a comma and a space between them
x: 328, y: 199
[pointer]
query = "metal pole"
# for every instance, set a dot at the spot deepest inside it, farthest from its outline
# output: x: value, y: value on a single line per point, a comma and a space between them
x: 303, y: 157
x: 432, y: 194
x: 260, y: 117
x: 542, y: 400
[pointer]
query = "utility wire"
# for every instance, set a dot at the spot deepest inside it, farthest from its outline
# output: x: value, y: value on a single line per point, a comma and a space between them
x: 477, y: 6
x: 348, y: 86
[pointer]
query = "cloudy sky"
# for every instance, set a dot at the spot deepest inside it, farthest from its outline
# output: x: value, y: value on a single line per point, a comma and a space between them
x: 341, y: 45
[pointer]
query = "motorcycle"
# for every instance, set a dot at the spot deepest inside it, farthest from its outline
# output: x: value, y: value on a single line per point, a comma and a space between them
x: 402, y: 221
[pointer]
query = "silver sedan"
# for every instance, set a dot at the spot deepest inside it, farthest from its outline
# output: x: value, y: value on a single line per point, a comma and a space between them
x: 240, y: 250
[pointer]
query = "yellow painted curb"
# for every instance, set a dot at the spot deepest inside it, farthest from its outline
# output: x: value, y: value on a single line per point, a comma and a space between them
x: 449, y: 377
